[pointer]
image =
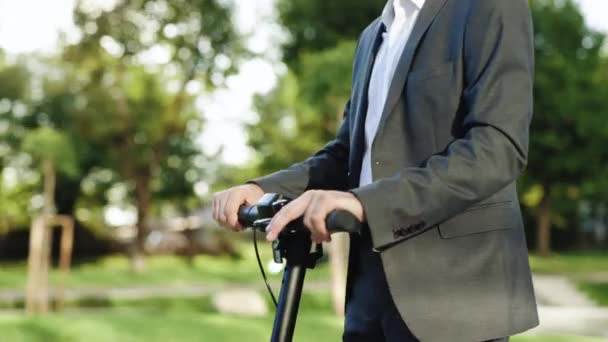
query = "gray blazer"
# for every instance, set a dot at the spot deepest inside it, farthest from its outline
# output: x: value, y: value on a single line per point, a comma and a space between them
x: 443, y: 209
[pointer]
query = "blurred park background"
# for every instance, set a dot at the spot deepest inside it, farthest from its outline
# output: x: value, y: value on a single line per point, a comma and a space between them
x: 120, y: 118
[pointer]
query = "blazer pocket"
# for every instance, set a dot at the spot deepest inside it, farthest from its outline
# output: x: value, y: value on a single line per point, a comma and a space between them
x: 430, y: 72
x: 479, y: 219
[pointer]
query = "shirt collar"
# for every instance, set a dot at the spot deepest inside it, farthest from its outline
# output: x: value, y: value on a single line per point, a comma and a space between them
x: 388, y: 14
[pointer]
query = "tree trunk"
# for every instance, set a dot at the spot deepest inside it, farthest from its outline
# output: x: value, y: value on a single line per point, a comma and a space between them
x: 338, y: 259
x: 36, y: 298
x: 142, y: 198
x: 190, y: 251
x: 49, y: 187
x: 39, y: 259
x: 543, y: 236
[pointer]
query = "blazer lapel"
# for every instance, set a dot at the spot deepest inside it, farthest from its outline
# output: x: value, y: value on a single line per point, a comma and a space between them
x: 426, y: 16
x: 372, y: 42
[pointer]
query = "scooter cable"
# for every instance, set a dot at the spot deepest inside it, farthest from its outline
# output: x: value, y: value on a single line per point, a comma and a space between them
x: 257, y: 255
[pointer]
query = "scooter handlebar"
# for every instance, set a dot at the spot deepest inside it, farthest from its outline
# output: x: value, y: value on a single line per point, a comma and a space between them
x: 342, y: 221
x: 248, y: 215
x: 337, y: 221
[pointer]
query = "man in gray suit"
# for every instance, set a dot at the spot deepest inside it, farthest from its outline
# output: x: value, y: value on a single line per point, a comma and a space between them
x: 433, y: 139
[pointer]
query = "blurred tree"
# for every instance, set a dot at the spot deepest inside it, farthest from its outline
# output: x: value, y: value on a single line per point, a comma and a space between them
x: 52, y: 151
x: 126, y: 96
x: 308, y: 108
x: 61, y: 106
x: 139, y: 67
x: 15, y: 191
x: 143, y: 62
x: 315, y: 25
x: 569, y: 128
x: 14, y: 94
x: 309, y: 99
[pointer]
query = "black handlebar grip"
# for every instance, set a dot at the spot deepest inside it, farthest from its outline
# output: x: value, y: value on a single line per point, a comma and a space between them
x: 339, y: 221
x: 247, y: 215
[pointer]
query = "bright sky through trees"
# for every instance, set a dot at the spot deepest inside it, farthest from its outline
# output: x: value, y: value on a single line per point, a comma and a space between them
x: 33, y: 25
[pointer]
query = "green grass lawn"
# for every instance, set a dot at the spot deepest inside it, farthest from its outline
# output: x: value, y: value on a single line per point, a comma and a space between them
x: 166, y: 320
x: 598, y: 292
x: 555, y: 338
x: 573, y: 264
x: 577, y: 266
x: 114, y: 271
x: 151, y: 325
x: 135, y: 324
x: 193, y: 319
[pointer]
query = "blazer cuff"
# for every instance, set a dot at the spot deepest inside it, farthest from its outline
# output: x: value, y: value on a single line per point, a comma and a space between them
x: 388, y: 223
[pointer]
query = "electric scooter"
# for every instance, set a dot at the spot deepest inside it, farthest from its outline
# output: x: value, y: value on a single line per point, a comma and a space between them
x: 295, y: 246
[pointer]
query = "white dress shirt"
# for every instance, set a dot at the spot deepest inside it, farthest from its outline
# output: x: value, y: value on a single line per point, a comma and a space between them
x: 399, y: 17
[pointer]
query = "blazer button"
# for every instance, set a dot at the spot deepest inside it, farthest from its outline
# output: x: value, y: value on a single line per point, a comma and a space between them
x: 377, y: 162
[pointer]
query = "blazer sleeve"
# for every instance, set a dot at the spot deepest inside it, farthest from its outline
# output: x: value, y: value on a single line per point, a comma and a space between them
x: 326, y: 169
x: 492, y: 153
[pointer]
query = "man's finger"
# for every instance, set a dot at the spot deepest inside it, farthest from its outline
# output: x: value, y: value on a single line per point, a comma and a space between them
x: 224, y: 203
x: 214, y: 208
x: 288, y: 213
x: 224, y: 212
x: 232, y: 208
x: 217, y: 206
x: 315, y: 218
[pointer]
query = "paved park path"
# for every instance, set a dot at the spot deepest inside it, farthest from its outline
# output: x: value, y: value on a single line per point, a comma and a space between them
x: 565, y: 310
x: 162, y: 291
x: 562, y: 308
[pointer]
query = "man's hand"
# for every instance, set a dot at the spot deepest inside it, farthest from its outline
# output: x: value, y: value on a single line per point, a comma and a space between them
x: 226, y: 204
x: 315, y: 205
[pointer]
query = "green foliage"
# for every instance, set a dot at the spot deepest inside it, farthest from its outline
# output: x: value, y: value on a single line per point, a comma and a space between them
x: 567, y: 160
x: 273, y: 137
x: 325, y: 82
x: 569, y: 127
x: 308, y: 103
x: 139, y: 111
x: 14, y: 82
x: 17, y: 181
x: 307, y: 108
x: 315, y: 25
x: 194, y: 33
x: 14, y: 93
x: 47, y: 144
x: 598, y: 292
x: 15, y: 204
x: 118, y: 106
x: 225, y: 176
